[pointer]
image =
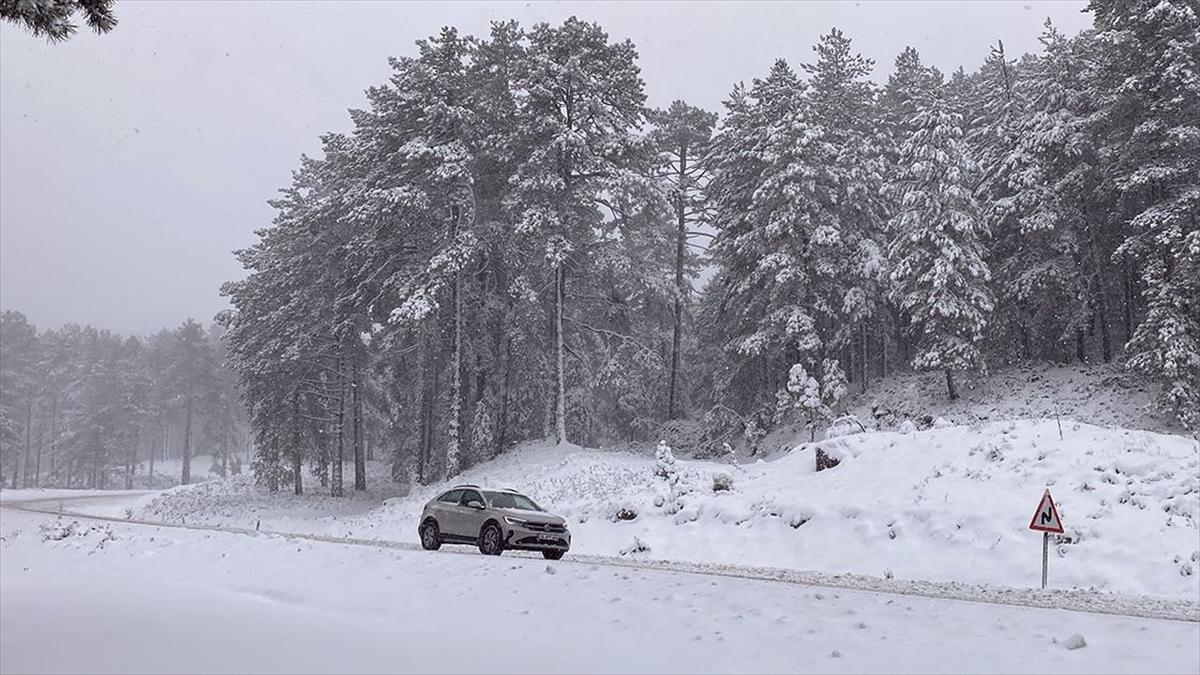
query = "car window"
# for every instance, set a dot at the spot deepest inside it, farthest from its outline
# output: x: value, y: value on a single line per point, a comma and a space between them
x: 451, y: 497
x: 469, y: 496
x: 511, y: 500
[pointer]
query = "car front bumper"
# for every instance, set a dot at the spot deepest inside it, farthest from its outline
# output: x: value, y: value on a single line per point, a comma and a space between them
x: 519, y: 537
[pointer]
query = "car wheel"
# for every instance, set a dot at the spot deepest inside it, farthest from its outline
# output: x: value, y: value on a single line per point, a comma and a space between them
x: 553, y: 555
x: 490, y: 540
x: 431, y: 536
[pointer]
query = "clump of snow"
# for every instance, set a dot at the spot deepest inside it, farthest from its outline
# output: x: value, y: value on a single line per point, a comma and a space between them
x: 906, y: 427
x: 1076, y: 641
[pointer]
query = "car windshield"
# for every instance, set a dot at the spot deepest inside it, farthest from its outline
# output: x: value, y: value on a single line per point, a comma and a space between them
x: 511, y: 500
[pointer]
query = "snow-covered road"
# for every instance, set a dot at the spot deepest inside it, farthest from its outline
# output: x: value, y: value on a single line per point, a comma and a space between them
x: 106, y: 507
x: 113, y: 596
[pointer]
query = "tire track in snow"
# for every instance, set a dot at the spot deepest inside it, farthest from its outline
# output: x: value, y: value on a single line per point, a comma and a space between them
x: 1093, y: 602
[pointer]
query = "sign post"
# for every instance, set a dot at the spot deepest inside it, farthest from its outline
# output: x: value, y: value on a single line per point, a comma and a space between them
x: 1046, y: 520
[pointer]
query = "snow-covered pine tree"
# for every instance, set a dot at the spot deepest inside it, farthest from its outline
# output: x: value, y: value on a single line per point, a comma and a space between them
x: 1052, y: 268
x: 583, y: 99
x: 938, y: 272
x: 909, y: 82
x: 1149, y: 69
x: 682, y: 134
x: 842, y: 102
x: 777, y: 242
x: 993, y: 113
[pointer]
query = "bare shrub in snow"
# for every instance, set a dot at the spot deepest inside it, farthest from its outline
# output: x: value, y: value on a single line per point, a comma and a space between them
x: 74, y: 532
x: 625, y: 513
x: 638, y: 546
x: 846, y: 425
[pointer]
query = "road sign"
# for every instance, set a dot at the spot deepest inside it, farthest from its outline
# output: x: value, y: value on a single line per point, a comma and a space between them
x: 1046, y: 519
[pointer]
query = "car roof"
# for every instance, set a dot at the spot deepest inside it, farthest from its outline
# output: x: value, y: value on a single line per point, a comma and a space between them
x: 472, y: 486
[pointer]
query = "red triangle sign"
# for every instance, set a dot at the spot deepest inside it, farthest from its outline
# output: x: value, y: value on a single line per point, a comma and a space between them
x: 1046, y: 519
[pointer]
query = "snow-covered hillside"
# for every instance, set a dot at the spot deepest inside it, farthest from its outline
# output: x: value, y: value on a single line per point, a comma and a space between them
x: 1103, y: 394
x: 947, y: 504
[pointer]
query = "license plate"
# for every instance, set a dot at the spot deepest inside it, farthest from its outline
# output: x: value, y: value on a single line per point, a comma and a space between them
x: 547, y: 539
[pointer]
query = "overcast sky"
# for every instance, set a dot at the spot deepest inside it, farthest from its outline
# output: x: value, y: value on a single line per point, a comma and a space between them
x: 133, y: 163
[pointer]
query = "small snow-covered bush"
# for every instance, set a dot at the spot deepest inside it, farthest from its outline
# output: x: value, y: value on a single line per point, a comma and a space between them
x: 664, y: 466
x: 665, y: 469
x: 722, y: 482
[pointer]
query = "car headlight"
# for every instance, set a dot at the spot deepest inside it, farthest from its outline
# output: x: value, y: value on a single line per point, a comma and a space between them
x: 515, y: 521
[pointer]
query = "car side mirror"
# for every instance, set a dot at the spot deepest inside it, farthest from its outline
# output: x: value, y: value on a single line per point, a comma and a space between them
x: 475, y: 504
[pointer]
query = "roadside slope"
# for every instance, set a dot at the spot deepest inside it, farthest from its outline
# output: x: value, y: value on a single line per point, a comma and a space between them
x: 945, y: 505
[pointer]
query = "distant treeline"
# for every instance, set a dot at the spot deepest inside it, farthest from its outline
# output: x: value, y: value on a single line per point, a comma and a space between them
x: 82, y: 407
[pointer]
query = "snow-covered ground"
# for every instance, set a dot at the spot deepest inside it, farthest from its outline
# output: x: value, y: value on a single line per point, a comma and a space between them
x: 113, y: 597
x: 949, y: 504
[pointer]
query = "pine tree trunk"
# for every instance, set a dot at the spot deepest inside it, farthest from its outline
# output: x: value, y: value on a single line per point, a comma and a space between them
x: 297, y: 456
x: 131, y: 463
x: 272, y: 474
x: 27, y: 451
x: 1102, y: 315
x: 428, y: 398
x: 951, y: 390
x: 506, y: 382
x: 162, y: 436
x: 883, y: 354
x: 1128, y: 297
x: 335, y: 482
x: 1080, y: 346
x: 680, y: 251
x: 37, y: 470
x: 187, y: 442
x: 862, y: 364
x: 322, y: 455
x: 454, y: 443
x: 560, y: 409
x: 360, y: 461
